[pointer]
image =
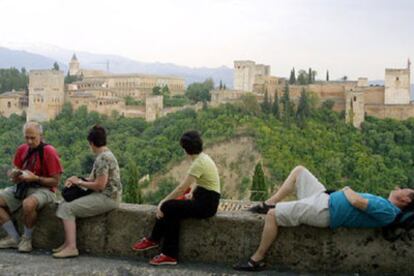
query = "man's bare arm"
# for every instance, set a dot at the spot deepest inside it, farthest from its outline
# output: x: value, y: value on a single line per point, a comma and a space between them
x: 355, y: 199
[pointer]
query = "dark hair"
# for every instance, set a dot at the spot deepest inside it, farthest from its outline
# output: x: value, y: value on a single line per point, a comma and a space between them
x: 191, y: 142
x: 97, y: 136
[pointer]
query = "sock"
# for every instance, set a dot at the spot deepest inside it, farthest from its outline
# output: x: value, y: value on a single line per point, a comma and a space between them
x: 28, y: 232
x: 11, y: 230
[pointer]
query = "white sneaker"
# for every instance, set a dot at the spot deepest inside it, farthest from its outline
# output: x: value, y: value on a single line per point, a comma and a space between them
x: 25, y: 244
x: 8, y: 242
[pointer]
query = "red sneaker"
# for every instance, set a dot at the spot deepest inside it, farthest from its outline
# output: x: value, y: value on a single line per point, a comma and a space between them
x: 163, y: 260
x: 144, y: 244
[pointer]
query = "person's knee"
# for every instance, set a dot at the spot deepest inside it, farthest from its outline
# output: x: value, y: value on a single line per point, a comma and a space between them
x: 270, y: 216
x: 299, y: 169
x: 29, y: 205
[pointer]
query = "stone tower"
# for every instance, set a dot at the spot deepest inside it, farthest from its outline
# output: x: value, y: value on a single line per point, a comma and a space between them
x: 46, y: 95
x: 74, y: 66
x: 397, y: 86
x: 355, y: 107
x: 244, y: 75
x: 153, y: 108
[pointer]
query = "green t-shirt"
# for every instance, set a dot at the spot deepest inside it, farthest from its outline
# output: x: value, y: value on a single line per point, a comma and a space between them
x: 205, y: 171
x: 106, y: 164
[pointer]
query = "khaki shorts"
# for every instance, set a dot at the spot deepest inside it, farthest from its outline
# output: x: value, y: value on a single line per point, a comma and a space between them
x: 311, y: 208
x: 86, y: 206
x: 43, y: 195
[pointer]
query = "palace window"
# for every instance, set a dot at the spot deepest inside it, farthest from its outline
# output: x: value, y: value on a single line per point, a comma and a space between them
x: 397, y: 78
x: 9, y: 104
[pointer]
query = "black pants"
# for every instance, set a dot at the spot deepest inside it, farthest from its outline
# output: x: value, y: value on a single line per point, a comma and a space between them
x: 203, y: 205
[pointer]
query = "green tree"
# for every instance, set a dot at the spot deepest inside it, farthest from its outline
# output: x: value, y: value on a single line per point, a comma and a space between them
x: 132, y: 191
x: 200, y: 92
x: 292, y: 78
x: 259, y: 189
x: 266, y: 104
x: 56, y: 66
x: 303, y: 77
x: 221, y: 85
x: 276, y: 106
x: 12, y: 79
x: 327, y: 75
x: 156, y: 91
x: 165, y: 90
x: 287, y: 110
x: 310, y: 76
x: 303, y: 110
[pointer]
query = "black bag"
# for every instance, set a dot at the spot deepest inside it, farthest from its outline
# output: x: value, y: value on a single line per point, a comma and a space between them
x: 22, y: 187
x: 74, y: 192
x: 401, y: 226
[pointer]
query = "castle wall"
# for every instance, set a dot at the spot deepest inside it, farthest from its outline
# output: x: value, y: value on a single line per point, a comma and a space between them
x: 398, y: 112
x: 244, y: 75
x: 153, y: 108
x: 397, y: 86
x: 10, y: 103
x: 374, y: 95
x: 46, y: 94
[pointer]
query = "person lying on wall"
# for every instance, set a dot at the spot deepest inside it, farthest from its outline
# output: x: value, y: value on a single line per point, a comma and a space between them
x: 201, y: 202
x: 317, y: 207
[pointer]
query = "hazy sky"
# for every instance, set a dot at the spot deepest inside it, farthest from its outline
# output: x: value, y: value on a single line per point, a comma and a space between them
x: 348, y: 37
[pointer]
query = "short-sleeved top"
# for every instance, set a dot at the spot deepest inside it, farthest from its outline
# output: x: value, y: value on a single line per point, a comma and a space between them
x: 380, y: 212
x: 106, y: 164
x: 51, y: 161
x: 205, y: 171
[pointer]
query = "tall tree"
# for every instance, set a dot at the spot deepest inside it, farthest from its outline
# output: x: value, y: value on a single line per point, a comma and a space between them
x: 303, y: 110
x: 286, y: 106
x: 310, y: 78
x: 132, y: 193
x: 327, y: 75
x: 275, y: 106
x: 259, y: 189
x: 56, y: 66
x: 266, y: 104
x: 292, y: 78
x: 221, y: 85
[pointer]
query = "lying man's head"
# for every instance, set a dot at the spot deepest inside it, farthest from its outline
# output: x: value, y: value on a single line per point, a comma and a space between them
x: 401, y: 197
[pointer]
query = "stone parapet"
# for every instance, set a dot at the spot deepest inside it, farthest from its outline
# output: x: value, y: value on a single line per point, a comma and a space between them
x: 229, y: 236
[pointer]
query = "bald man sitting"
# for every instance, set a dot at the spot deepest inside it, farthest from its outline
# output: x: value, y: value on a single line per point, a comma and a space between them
x: 36, y: 166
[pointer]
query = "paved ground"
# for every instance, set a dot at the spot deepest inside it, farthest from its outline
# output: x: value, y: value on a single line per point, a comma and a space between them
x: 41, y: 263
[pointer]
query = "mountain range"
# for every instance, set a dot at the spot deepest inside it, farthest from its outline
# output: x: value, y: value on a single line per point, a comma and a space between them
x: 37, y: 56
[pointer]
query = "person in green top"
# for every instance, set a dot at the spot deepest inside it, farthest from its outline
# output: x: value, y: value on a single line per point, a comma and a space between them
x: 106, y: 186
x: 201, y: 202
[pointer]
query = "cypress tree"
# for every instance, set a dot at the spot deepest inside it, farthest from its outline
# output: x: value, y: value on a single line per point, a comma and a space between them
x: 266, y: 105
x: 303, y: 109
x: 310, y: 76
x: 327, y: 75
x: 258, y: 190
x: 292, y: 78
x: 286, y: 106
x: 275, y: 106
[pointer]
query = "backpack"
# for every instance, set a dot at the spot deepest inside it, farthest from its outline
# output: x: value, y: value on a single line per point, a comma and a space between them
x: 401, y: 227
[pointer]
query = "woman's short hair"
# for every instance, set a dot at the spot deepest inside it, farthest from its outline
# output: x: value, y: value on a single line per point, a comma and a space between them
x: 191, y: 142
x: 97, y: 136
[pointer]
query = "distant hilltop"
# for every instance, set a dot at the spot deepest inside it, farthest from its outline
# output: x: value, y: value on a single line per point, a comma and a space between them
x: 35, y: 57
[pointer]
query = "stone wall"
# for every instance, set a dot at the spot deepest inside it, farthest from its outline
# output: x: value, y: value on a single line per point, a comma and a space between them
x: 230, y: 236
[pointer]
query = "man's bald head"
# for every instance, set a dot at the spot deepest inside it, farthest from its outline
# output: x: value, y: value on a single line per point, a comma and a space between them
x: 33, y: 132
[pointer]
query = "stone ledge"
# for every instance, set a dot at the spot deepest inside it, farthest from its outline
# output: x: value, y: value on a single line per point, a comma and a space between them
x: 230, y: 236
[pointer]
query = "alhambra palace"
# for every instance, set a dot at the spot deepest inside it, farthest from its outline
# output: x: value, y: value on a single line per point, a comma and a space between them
x: 105, y: 93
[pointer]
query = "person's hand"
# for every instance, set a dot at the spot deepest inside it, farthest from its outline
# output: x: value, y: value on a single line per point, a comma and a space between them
x: 28, y: 176
x: 73, y: 180
x: 159, y: 213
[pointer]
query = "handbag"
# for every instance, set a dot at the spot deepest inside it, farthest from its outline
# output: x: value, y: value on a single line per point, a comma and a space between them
x: 74, y: 192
